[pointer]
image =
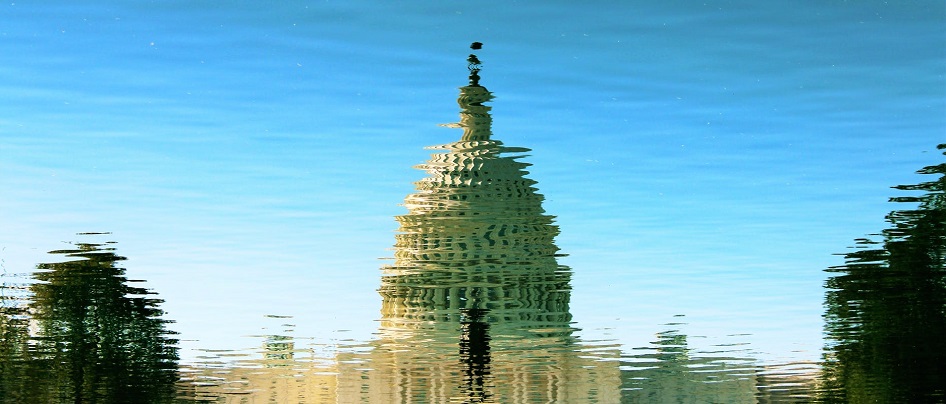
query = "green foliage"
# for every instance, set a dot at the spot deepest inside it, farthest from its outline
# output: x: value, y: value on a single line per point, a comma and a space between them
x: 886, y: 307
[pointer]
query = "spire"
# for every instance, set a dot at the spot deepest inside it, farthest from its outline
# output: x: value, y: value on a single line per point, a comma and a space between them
x: 474, y: 116
x: 474, y: 65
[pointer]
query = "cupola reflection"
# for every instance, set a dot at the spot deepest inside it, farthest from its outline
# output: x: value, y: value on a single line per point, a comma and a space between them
x: 475, y: 305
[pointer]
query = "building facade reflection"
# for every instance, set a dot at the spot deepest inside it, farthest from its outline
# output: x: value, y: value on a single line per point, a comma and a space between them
x: 475, y: 309
x: 276, y: 371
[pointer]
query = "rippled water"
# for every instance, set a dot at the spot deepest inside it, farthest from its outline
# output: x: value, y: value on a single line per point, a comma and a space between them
x: 666, y: 202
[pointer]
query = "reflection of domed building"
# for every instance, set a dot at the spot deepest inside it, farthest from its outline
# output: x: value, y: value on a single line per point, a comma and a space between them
x: 476, y: 207
x: 475, y: 306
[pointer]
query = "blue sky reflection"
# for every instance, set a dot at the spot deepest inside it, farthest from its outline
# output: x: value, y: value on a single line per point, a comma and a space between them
x: 701, y: 159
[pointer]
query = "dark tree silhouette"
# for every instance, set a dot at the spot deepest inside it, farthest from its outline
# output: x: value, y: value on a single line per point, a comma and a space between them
x: 885, y: 318
x: 87, y: 336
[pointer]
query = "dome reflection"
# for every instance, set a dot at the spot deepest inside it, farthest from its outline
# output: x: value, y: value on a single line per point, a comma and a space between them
x: 475, y: 305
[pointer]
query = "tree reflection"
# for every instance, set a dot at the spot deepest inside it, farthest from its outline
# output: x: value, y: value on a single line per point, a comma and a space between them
x: 87, y: 336
x: 885, y: 316
x: 15, y: 369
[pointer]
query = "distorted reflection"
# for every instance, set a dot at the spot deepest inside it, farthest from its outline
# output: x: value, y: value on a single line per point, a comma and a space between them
x: 885, y: 318
x: 475, y: 309
x: 80, y: 333
x: 279, y: 370
x: 669, y: 371
x: 475, y: 305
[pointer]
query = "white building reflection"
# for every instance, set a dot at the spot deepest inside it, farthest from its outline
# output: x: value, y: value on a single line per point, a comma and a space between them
x: 475, y: 308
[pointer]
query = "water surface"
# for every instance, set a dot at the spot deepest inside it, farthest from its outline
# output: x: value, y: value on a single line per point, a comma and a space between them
x: 695, y: 170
